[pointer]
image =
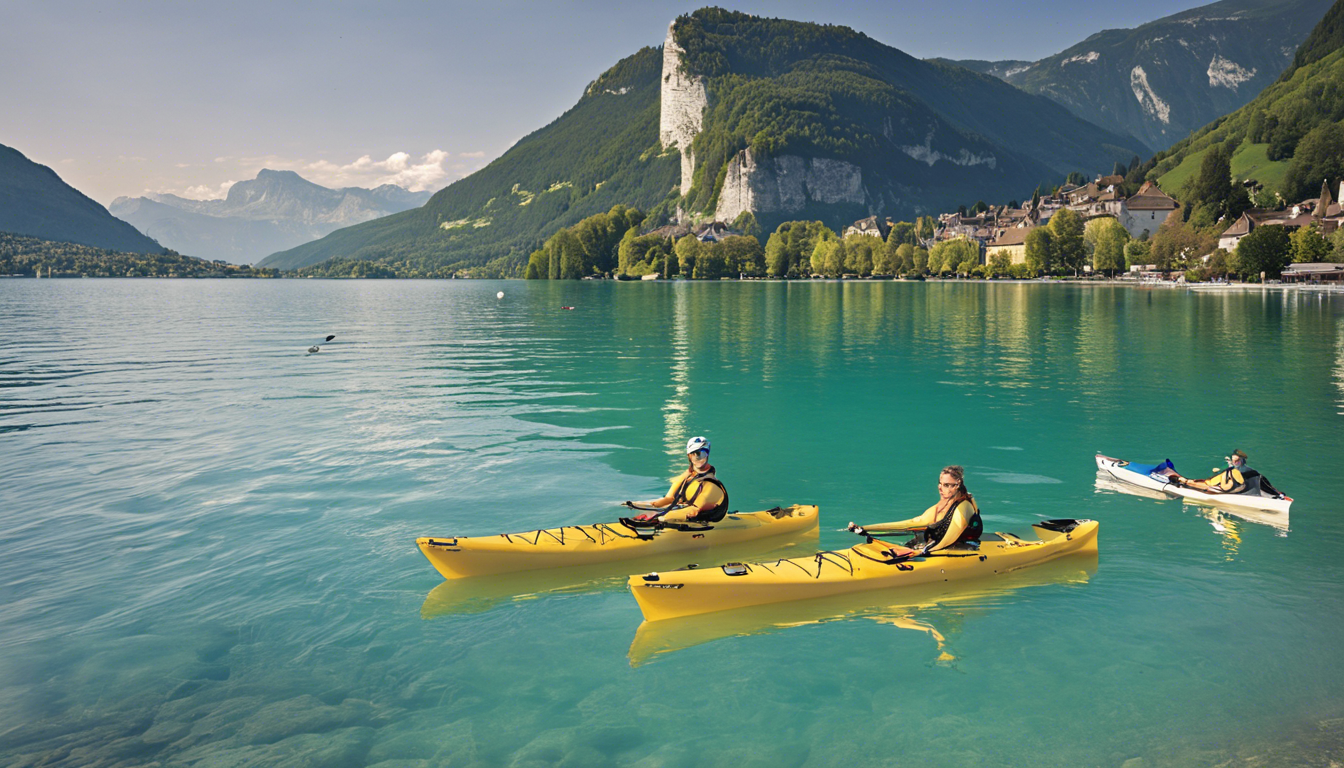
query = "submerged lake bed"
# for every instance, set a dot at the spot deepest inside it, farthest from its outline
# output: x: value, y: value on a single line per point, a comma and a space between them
x: 209, y: 533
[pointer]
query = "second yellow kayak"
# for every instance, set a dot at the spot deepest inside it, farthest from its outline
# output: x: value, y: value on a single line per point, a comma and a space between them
x: 672, y: 594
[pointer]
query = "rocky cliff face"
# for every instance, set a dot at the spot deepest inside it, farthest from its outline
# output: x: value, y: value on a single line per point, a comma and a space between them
x: 684, y: 100
x: 785, y: 185
x: 1162, y: 80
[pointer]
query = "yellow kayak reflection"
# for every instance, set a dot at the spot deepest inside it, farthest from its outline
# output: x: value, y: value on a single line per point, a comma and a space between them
x: 476, y: 594
x: 922, y: 609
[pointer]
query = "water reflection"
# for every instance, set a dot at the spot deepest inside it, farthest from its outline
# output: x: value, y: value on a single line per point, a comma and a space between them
x: 936, y: 610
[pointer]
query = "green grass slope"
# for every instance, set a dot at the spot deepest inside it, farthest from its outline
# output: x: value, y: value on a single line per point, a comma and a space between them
x: 601, y: 152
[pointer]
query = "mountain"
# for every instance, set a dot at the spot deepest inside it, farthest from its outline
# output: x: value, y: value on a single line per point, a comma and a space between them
x: 734, y: 114
x: 35, y: 202
x: 1164, y: 79
x: 275, y: 211
x: 1291, y: 136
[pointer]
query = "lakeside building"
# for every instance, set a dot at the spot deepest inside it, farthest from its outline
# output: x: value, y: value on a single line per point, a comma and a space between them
x: 1145, y: 211
x: 1314, y: 272
x: 1324, y: 211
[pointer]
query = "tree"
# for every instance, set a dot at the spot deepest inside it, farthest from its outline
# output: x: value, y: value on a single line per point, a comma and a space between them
x: 1066, y: 227
x: 1266, y: 249
x: 1040, y: 250
x: 1308, y: 245
x: 1137, y: 252
x: 1267, y: 198
x: 1176, y: 244
x: 926, y: 227
x: 710, y: 263
x: 921, y: 259
x: 1108, y: 241
x: 981, y: 206
x: 828, y: 257
x: 935, y: 261
x: 687, y: 250
x: 742, y: 255
x: 1319, y: 156
x: 862, y: 252
x: 902, y: 232
x: 1000, y: 262
x: 537, y: 265
x: 904, y: 260
x: 777, y: 255
x: 746, y: 224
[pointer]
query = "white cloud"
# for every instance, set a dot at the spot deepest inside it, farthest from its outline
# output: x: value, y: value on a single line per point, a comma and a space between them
x: 206, y: 192
x: 427, y: 173
x: 471, y: 154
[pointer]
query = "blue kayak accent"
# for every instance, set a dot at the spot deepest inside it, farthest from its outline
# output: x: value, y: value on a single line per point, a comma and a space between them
x: 1148, y: 469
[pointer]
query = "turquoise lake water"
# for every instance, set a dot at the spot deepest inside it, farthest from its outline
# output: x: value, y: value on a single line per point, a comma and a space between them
x: 207, y: 536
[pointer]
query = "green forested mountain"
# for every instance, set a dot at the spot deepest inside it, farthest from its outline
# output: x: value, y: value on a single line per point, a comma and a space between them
x: 34, y: 201
x: 1291, y: 136
x: 602, y: 152
x: 923, y: 136
x: 1166, y: 78
x: 927, y: 136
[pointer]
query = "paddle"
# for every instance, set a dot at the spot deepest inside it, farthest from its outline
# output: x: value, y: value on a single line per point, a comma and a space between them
x: 317, y: 347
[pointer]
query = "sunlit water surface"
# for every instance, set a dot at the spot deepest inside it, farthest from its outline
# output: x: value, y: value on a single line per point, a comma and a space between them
x: 207, y: 535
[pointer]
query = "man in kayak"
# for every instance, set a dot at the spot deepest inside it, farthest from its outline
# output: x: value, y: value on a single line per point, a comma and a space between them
x: 1231, y: 480
x: 695, y: 494
x: 954, y: 519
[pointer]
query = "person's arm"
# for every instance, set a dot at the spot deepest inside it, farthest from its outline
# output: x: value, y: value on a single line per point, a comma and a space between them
x: 913, y: 524
x: 954, y: 531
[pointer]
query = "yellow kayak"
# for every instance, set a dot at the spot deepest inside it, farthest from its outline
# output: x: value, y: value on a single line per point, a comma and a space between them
x: 929, y: 608
x: 870, y: 565
x: 571, y: 545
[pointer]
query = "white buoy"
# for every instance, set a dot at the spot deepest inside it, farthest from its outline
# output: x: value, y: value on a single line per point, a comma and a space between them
x: 499, y: 295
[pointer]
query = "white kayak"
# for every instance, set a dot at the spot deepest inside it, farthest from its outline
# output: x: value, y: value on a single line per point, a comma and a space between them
x: 1139, y: 475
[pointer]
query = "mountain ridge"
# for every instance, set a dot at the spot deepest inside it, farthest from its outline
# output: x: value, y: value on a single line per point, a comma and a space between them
x: 275, y: 211
x: 35, y: 201
x: 903, y: 157
x: 1165, y: 78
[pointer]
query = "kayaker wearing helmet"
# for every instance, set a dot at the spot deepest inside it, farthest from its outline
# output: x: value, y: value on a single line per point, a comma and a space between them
x: 695, y: 494
x: 955, y: 518
x: 1231, y: 480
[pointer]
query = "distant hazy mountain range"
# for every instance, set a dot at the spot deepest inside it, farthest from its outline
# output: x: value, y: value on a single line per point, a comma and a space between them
x: 1160, y: 81
x: 273, y: 212
x: 35, y: 202
x: 736, y: 114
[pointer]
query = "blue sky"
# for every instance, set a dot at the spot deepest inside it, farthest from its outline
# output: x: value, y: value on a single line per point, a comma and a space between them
x: 135, y: 97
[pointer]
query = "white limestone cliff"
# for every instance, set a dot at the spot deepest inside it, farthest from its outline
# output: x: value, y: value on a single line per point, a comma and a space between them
x: 786, y: 184
x: 682, y: 111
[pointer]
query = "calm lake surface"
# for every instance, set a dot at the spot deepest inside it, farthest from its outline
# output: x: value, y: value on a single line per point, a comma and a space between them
x: 207, y: 536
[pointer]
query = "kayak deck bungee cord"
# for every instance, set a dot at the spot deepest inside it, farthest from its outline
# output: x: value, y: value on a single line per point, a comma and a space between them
x: 871, y: 565
x: 459, y: 556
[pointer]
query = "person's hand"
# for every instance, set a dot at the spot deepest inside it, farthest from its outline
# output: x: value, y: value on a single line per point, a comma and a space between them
x: 851, y: 526
x: 692, y: 514
x: 628, y: 503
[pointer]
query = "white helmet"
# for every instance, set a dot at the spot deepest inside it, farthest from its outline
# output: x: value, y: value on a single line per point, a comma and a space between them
x: 697, y: 444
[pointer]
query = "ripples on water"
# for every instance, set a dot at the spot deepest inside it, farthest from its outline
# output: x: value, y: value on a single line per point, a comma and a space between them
x: 208, y: 534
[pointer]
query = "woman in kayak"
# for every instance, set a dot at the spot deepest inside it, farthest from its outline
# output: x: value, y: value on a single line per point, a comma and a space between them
x: 954, y: 519
x: 695, y: 494
x: 1231, y: 480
